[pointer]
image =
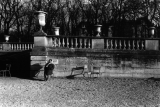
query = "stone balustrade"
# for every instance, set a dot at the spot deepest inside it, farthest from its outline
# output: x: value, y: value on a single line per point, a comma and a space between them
x: 124, y: 44
x: 114, y: 43
x: 16, y: 46
x: 72, y: 42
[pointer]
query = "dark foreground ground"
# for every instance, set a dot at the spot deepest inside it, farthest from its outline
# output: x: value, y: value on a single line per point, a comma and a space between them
x: 79, y: 92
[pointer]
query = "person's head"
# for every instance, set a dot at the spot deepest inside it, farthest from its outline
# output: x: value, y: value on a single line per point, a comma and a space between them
x: 50, y: 60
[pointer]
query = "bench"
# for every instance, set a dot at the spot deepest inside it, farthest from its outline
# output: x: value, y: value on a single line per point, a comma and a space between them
x: 81, y: 69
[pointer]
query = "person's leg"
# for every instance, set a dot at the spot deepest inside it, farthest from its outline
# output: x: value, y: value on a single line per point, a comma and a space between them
x: 49, y: 77
x: 45, y: 76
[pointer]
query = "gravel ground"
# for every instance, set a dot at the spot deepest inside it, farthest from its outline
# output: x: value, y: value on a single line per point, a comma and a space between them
x: 79, y: 92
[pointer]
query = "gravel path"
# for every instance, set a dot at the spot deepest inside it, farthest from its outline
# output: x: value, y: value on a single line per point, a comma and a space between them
x: 79, y: 92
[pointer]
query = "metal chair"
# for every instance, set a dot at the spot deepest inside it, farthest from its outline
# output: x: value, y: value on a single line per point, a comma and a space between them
x: 96, y: 70
x: 4, y: 72
x: 77, y: 68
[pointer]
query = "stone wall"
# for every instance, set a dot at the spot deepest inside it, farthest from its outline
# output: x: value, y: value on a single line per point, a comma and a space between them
x: 116, y: 63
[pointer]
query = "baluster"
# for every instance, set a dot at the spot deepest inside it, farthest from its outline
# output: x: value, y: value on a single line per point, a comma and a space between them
x: 89, y: 43
x: 63, y: 42
x: 59, y: 42
x: 124, y: 44
x: 80, y: 42
x: 20, y: 47
x: 30, y: 46
x: 16, y: 46
x: 0, y: 46
x: 85, y: 45
x: 26, y: 46
x: 111, y: 44
x: 76, y: 43
x: 67, y: 42
x: 129, y: 45
x: 120, y: 44
x: 137, y: 44
x: 55, y: 41
x: 133, y: 45
x: 143, y: 45
x: 11, y: 46
x: 71, y: 42
x: 54, y: 44
x: 115, y: 44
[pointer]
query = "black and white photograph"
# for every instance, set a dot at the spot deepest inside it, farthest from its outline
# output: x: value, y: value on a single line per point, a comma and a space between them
x: 79, y: 53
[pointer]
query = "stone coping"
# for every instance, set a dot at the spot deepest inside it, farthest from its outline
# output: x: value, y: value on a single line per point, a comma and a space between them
x: 73, y: 50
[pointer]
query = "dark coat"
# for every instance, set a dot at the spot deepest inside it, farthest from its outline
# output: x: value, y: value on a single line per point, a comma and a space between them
x: 48, y: 69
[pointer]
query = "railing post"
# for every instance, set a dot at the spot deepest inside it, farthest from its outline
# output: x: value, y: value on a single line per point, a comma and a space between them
x: 120, y: 44
x: 115, y: 44
x: 76, y: 44
x: 80, y: 40
x: 133, y: 45
x: 67, y: 42
x: 89, y: 43
x: 59, y: 42
x: 71, y: 42
x: 129, y: 45
x: 124, y: 44
x: 63, y: 44
x: 137, y: 44
x: 142, y: 45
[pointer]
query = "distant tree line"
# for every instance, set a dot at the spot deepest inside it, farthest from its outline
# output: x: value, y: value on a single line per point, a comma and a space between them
x: 18, y: 19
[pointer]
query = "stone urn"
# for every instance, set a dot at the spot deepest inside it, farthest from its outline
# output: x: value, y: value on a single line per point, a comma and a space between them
x: 41, y: 18
x: 152, y: 31
x: 56, y: 31
x: 41, y: 21
x: 6, y: 37
x: 98, y: 30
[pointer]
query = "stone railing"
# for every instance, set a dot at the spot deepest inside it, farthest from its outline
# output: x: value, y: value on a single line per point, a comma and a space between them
x: 16, y: 46
x: 114, y: 43
x: 124, y: 43
x: 71, y: 42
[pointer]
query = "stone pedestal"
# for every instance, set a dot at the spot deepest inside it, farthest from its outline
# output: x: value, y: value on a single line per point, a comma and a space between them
x: 152, y: 44
x: 6, y: 47
x: 38, y: 55
x: 98, y: 43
